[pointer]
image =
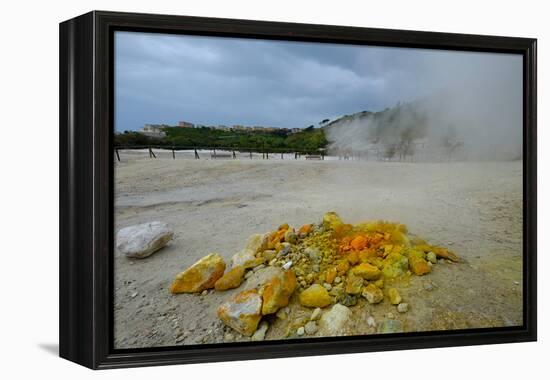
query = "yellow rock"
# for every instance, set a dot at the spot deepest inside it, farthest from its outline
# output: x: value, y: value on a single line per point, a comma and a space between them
x: 330, y: 275
x: 243, y: 312
x: 379, y: 283
x: 372, y: 293
x: 359, y: 243
x: 354, y: 284
x: 417, y: 264
x: 315, y: 296
x: 257, y: 243
x: 305, y: 229
x: 331, y: 220
x: 277, y: 291
x: 395, y: 297
x: 231, y: 279
x: 342, y: 267
x: 199, y: 276
x: 367, y: 271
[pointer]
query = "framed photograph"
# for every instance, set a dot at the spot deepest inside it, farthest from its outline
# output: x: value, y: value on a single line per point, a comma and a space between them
x: 234, y: 189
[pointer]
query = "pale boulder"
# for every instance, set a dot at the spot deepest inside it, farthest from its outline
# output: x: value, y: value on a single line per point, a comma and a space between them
x: 142, y: 240
x: 333, y: 322
x: 200, y: 276
x: 243, y: 258
x: 243, y: 312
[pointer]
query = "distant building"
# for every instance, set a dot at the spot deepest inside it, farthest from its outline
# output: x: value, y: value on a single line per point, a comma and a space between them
x: 153, y: 130
x: 237, y: 127
x: 295, y: 130
x: 186, y: 124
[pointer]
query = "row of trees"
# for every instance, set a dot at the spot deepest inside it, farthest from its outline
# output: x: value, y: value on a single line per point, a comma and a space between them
x: 309, y: 139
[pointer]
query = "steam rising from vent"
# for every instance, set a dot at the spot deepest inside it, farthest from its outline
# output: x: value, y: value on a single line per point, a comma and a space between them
x: 475, y: 117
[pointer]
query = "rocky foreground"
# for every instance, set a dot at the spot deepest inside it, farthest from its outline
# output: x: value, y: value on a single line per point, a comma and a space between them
x: 329, y: 268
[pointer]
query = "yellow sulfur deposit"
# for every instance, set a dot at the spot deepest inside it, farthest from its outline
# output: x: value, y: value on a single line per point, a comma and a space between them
x: 318, y: 265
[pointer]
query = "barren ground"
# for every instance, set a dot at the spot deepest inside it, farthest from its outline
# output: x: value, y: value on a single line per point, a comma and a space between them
x: 215, y: 205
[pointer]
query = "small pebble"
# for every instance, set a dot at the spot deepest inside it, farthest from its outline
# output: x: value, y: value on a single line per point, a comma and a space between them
x: 287, y: 265
x: 281, y: 314
x: 229, y: 337
x: 301, y: 331
x: 261, y: 266
x: 134, y: 295
x: 316, y: 314
x: 371, y: 322
x: 403, y: 307
x: 310, y: 328
x: 431, y: 257
x: 337, y: 280
x: 204, y: 292
x: 327, y: 286
x: 389, y: 316
x: 428, y: 286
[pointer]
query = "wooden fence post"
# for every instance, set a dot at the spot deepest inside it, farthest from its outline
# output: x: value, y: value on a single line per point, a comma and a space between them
x: 117, y: 156
x: 196, y: 154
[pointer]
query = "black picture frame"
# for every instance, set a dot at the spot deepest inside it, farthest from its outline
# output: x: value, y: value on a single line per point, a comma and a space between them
x: 86, y: 189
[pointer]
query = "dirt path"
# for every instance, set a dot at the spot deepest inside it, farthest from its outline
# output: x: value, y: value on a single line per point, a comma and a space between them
x: 213, y: 206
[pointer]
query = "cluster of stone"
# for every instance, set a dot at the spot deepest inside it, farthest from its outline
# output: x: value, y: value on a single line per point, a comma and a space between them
x: 324, y: 264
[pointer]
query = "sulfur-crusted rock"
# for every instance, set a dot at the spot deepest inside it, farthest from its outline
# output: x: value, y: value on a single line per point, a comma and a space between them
x: 331, y: 220
x: 290, y: 236
x: 359, y: 243
x: 431, y: 257
x: 418, y: 265
x: 330, y: 275
x: 315, y: 296
x: 354, y: 284
x: 231, y: 279
x: 199, y: 276
x: 367, y: 271
x: 372, y: 293
x: 142, y: 240
x: 394, y: 296
x: 243, y: 312
x: 277, y: 291
x: 257, y: 243
x: 333, y: 322
x: 243, y: 257
x: 395, y: 265
x: 305, y: 230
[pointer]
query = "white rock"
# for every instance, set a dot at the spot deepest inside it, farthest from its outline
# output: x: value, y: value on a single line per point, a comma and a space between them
x: 287, y: 265
x: 260, y: 333
x: 242, y: 257
x: 371, y: 322
x: 332, y: 322
x: 142, y: 240
x: 311, y: 328
x: 316, y: 314
x: 300, y: 331
x: 285, y: 249
x: 403, y: 307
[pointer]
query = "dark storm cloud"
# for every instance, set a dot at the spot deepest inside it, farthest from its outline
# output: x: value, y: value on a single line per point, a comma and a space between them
x: 206, y: 80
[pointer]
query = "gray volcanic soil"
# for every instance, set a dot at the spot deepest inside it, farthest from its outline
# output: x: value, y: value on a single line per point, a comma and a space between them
x: 475, y: 209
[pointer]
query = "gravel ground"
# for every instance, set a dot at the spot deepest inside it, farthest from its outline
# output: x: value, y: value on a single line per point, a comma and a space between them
x: 474, y: 209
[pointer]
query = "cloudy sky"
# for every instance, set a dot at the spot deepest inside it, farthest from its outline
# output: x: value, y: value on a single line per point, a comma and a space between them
x: 162, y: 79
